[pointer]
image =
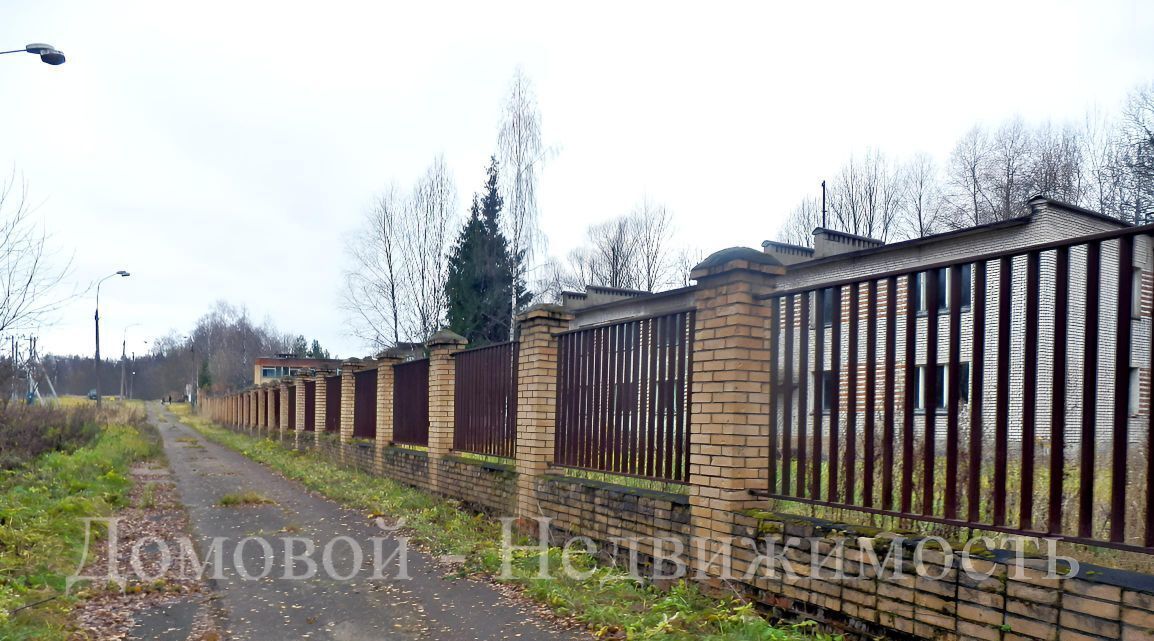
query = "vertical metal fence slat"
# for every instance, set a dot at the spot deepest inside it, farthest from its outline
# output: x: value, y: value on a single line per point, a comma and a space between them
x: 803, y: 393
x: 934, y: 299
x: 1002, y: 388
x: 977, y: 389
x: 832, y: 484
x: 1029, y: 391
x: 1089, y: 390
x: 851, y: 397
x: 1122, y: 348
x: 888, y: 385
x: 776, y: 390
x: 651, y: 399
x: 787, y: 394
x: 911, y: 375
x: 1058, y: 397
x: 953, y: 402
x: 868, y: 446
x: 818, y: 392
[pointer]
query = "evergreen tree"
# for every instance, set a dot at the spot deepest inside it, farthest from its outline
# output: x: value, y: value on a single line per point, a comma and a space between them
x: 300, y: 346
x: 481, y: 269
x: 316, y: 351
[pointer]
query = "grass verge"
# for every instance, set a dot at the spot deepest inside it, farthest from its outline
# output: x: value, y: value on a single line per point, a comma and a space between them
x: 41, y: 534
x: 607, y: 601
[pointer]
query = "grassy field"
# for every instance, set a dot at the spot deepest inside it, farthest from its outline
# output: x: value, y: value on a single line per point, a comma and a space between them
x: 41, y: 535
x: 607, y: 602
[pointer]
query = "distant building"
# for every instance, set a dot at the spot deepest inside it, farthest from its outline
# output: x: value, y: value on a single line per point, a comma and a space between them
x: 272, y: 368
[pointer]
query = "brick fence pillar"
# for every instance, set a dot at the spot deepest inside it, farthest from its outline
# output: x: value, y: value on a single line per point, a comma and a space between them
x: 729, y: 442
x: 538, y: 327
x: 284, y: 405
x: 299, y: 410
x: 320, y: 411
x: 349, y: 397
x: 386, y: 361
x: 269, y: 407
x: 442, y: 385
x: 261, y: 408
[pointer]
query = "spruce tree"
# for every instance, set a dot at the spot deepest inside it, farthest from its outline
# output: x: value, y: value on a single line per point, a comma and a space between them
x: 481, y: 271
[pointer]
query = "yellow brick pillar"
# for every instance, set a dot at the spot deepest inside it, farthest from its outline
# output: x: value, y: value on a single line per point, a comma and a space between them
x: 349, y: 397
x: 299, y: 410
x: 442, y: 385
x: 729, y: 440
x: 536, y: 398
x: 320, y: 412
x: 269, y: 407
x: 283, y: 421
x: 261, y: 408
x: 251, y: 410
x: 385, y: 363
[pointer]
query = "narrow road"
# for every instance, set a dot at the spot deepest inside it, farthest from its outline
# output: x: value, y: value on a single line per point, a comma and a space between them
x: 360, y: 609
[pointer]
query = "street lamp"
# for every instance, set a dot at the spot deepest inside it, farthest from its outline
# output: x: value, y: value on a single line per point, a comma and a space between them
x: 48, y: 54
x: 122, y: 274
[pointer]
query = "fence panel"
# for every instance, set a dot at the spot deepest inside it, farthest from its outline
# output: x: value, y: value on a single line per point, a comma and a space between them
x: 333, y: 403
x: 485, y: 400
x: 310, y: 406
x: 274, y: 420
x: 411, y: 403
x: 1008, y: 392
x: 623, y: 397
x: 365, y: 404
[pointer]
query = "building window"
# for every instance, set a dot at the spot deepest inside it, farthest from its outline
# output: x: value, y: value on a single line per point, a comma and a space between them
x: 827, y: 306
x: 939, y: 397
x: 268, y: 372
x: 943, y: 279
x: 1136, y: 294
x: 1135, y: 391
x: 828, y: 390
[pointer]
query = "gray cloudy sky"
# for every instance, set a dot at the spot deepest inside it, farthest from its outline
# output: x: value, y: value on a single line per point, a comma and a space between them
x: 225, y: 149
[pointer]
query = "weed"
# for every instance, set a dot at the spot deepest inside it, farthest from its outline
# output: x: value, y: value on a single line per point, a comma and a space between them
x: 243, y: 498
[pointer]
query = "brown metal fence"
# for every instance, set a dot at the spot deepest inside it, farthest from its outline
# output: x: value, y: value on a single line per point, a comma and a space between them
x: 365, y: 404
x: 623, y: 397
x: 485, y: 400
x: 310, y: 406
x: 274, y: 420
x: 333, y: 403
x: 411, y: 402
x: 1007, y: 392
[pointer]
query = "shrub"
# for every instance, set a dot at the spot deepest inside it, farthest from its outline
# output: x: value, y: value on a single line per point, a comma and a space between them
x: 29, y: 431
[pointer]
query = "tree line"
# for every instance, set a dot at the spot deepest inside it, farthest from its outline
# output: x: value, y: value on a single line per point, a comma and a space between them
x: 416, y: 267
x: 1104, y: 163
x: 218, y: 355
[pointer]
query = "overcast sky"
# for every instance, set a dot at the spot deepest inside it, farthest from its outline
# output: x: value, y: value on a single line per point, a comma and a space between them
x: 225, y: 150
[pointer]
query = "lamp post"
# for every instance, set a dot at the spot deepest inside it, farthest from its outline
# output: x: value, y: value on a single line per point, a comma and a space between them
x: 48, y: 54
x: 122, y: 274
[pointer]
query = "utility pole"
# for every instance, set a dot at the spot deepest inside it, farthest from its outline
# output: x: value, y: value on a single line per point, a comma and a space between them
x: 123, y: 369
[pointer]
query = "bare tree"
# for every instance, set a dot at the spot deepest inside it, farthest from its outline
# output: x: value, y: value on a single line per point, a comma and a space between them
x: 922, y: 203
x: 425, y: 254
x: 686, y: 259
x: 30, y: 284
x: 1008, y: 170
x: 865, y: 197
x: 521, y: 152
x: 653, y: 226
x: 1056, y: 168
x: 799, y: 225
x: 395, y: 290
x: 1135, y: 152
x: 373, y: 289
x: 968, y: 195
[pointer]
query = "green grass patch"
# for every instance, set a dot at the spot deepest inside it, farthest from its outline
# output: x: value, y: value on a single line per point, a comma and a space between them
x: 41, y: 534
x: 243, y: 498
x: 607, y: 601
